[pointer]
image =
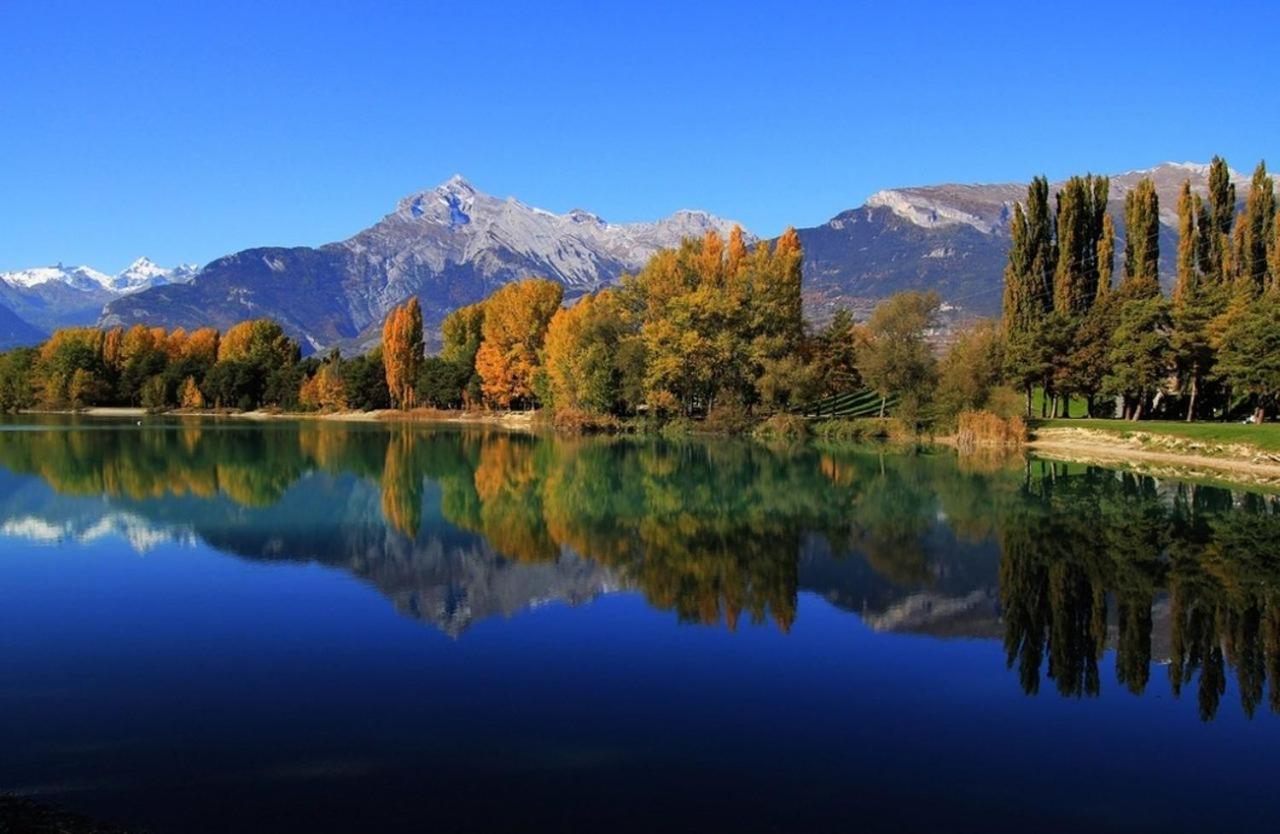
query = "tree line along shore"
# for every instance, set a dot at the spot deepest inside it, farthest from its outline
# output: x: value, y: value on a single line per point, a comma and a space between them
x: 711, y: 336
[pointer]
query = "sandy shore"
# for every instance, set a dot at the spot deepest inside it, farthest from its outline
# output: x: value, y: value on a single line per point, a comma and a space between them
x: 1160, y: 455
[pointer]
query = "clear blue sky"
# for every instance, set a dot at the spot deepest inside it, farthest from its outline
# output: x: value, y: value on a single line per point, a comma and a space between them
x: 184, y: 131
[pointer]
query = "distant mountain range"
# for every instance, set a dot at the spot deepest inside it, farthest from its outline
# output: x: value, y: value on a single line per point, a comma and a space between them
x: 954, y: 239
x: 34, y: 302
x: 452, y: 245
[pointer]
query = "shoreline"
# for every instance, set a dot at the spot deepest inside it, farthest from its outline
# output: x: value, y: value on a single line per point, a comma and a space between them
x: 1153, y: 453
x: 1131, y: 447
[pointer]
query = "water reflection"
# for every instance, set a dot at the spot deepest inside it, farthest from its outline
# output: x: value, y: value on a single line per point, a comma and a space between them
x: 1062, y: 562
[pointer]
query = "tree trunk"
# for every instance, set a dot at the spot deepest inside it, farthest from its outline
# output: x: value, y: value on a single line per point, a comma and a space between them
x: 1191, y: 404
x: 1053, y: 411
x: 1137, y: 409
x: 1259, y: 415
x: 1028, y: 402
x: 1088, y: 406
x: 882, y: 402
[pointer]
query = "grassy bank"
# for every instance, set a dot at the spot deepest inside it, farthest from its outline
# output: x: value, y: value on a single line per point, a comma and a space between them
x: 1265, y: 437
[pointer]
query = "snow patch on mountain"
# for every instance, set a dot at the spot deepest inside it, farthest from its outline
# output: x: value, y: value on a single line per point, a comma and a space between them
x: 142, y: 274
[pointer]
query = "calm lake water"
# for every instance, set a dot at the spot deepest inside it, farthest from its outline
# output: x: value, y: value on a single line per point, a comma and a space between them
x: 223, y: 627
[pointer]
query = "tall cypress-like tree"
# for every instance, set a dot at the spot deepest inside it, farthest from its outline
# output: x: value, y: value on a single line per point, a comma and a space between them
x: 1142, y: 240
x: 1194, y: 295
x: 1028, y: 286
x: 1259, y: 223
x: 1106, y: 255
x: 1222, y: 196
x: 1082, y: 205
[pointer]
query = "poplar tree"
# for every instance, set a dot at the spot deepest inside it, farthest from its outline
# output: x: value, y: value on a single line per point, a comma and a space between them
x: 1082, y: 205
x: 1028, y: 281
x: 402, y: 351
x: 1142, y: 240
x: 1106, y: 256
x: 1193, y: 301
x: 1259, y: 224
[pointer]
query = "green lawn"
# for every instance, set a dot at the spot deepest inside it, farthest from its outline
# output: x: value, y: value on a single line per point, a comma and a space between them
x: 1266, y: 436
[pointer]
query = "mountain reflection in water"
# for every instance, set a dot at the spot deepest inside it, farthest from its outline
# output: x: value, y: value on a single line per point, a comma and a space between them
x: 1061, y: 562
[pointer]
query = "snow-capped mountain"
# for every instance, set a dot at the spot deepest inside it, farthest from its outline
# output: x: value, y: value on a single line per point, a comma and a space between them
x: 140, y: 275
x: 450, y: 246
x: 40, y: 300
x: 143, y: 274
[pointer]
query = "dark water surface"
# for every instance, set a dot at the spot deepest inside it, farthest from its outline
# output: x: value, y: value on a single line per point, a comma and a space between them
x: 221, y: 627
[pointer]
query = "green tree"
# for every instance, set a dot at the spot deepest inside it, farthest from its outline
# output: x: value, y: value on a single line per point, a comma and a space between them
x: 971, y: 370
x: 893, y: 355
x: 17, y: 379
x: 1195, y: 301
x: 1259, y: 226
x: 1142, y: 239
x: 1028, y: 288
x: 1139, y: 356
x: 1249, y: 358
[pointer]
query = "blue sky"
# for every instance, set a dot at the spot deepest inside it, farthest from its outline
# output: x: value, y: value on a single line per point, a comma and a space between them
x: 184, y: 131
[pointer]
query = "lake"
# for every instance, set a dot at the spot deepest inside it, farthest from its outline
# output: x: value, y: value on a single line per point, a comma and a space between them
x: 215, y: 626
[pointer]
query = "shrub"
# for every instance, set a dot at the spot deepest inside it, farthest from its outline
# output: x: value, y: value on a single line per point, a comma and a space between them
x: 727, y: 417
x: 976, y: 429
x: 782, y: 427
x: 864, y: 428
x: 577, y: 421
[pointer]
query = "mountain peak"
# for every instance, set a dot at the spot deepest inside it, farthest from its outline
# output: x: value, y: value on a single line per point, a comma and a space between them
x: 457, y: 183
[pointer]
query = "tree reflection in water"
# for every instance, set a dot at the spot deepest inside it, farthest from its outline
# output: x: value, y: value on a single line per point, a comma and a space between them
x: 715, y: 531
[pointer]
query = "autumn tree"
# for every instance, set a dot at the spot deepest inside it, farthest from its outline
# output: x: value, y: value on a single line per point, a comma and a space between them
x: 461, y: 332
x: 583, y: 352
x: 514, y: 329
x: 70, y: 370
x: 719, y: 322
x: 191, y: 397
x: 259, y: 341
x: 325, y: 390
x: 403, y: 351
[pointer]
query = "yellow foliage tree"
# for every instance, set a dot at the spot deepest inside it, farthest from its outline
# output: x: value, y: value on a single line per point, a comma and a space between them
x: 324, y: 390
x: 581, y: 354
x: 515, y: 325
x: 202, y: 345
x: 261, y: 341
x: 192, y: 396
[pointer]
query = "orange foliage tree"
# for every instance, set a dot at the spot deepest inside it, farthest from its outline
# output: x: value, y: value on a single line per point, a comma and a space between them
x: 402, y: 351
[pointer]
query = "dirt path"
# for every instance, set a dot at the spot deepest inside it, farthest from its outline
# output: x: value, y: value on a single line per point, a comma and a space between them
x: 1160, y: 455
